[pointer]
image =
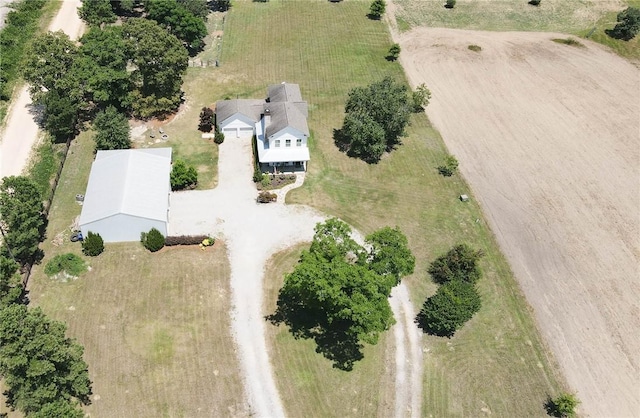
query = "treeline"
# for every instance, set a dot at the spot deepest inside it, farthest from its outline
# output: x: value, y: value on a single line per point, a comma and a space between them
x: 42, y: 369
x: 20, y: 26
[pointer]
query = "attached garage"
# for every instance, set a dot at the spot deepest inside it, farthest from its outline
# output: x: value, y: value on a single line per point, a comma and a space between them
x: 237, y: 118
x: 127, y: 193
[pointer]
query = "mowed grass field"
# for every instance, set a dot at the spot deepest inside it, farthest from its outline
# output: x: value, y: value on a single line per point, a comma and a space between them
x: 155, y: 327
x: 498, y: 362
x: 578, y: 17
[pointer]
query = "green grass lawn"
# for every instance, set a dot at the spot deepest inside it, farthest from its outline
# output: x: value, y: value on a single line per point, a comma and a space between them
x: 165, y: 315
x: 329, y: 49
x: 155, y: 327
x: 577, y: 17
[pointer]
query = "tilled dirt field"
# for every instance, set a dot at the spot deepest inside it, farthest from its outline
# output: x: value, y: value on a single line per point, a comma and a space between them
x: 548, y: 136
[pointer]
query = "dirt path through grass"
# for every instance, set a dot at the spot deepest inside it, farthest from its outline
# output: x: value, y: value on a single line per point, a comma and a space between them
x: 547, y: 136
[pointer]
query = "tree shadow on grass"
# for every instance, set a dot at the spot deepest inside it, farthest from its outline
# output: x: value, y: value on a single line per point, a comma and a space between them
x: 334, y: 343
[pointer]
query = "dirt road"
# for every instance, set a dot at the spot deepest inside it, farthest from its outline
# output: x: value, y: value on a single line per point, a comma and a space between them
x: 548, y: 136
x: 21, y: 132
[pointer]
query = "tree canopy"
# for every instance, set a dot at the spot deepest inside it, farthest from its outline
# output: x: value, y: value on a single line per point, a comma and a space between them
x: 39, y: 364
x: 445, y: 312
x: 160, y: 61
x: 382, y: 106
x: 459, y: 263
x: 377, y: 8
x: 10, y: 285
x: 628, y: 24
x: 112, y: 130
x: 337, y: 296
x: 96, y: 12
x: 21, y: 214
x: 178, y: 20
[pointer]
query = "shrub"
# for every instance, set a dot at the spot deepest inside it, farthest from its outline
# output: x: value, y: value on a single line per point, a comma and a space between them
x: 377, y: 8
x: 183, y: 176
x: 394, y: 52
x: 459, y: 264
x: 93, y: 245
x: 534, y: 2
x: 185, y: 240
x: 475, y: 48
x: 267, y: 197
x: 562, y: 406
x: 206, y: 120
x: 450, y: 166
x: 450, y: 4
x: 449, y: 309
x: 218, y: 138
x: 266, y: 180
x: 152, y: 240
x: 257, y: 174
x: 69, y: 263
x: 628, y: 24
x: 420, y: 98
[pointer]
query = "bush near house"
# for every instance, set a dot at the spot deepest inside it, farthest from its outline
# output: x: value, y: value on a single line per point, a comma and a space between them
x: 152, y: 240
x: 183, y: 176
x: 206, y: 120
x: 93, y: 244
x: 267, y: 197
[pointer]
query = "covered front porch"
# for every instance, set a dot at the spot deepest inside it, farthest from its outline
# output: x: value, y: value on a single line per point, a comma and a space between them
x: 284, y: 167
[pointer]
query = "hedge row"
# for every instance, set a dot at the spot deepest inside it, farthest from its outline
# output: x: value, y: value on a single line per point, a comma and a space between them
x: 185, y: 240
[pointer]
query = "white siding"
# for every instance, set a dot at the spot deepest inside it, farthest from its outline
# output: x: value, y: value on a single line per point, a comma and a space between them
x: 237, y: 126
x: 287, y: 133
x: 120, y: 228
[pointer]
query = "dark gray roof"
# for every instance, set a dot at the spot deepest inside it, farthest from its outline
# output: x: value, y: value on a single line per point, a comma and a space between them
x: 287, y: 114
x: 284, y: 92
x: 252, y: 108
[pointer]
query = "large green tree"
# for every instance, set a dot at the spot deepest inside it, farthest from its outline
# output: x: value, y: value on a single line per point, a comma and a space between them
x: 102, y: 68
x: 112, y: 130
x: 447, y: 311
x: 60, y: 115
x: 49, y: 58
x: 58, y: 409
x: 21, y: 215
x: 96, y: 12
x: 336, y: 296
x: 459, y: 263
x: 39, y: 364
x: 387, y: 104
x: 365, y: 136
x: 179, y: 21
x: 199, y: 8
x: 160, y: 61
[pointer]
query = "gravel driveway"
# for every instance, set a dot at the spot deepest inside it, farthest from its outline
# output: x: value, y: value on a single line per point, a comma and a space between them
x: 253, y: 232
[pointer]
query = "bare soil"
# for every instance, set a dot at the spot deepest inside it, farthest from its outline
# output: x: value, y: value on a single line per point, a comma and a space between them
x: 548, y: 135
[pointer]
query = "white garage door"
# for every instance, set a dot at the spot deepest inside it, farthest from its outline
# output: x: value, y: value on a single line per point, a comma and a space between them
x: 245, y: 132
x: 230, y: 132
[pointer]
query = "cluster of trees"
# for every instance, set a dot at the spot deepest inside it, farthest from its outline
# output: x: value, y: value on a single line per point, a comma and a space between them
x: 337, y: 294
x: 43, y: 370
x: 20, y: 25
x: 376, y: 117
x: 457, y: 299
x: 135, y: 68
x: 628, y: 24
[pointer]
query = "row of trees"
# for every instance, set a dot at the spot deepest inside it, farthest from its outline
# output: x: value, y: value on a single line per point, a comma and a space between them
x: 337, y: 294
x: 457, y: 299
x: 42, y: 369
x: 376, y: 118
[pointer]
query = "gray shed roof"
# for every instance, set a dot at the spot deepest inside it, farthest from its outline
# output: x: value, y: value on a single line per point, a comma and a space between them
x: 133, y: 182
x: 252, y: 108
x: 284, y: 92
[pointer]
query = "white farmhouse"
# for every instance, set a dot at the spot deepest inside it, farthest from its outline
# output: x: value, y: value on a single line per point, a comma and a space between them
x: 279, y: 124
x: 127, y: 193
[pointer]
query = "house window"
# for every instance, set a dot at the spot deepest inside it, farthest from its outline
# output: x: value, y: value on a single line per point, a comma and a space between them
x: 287, y: 143
x: 277, y: 143
x: 298, y: 142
